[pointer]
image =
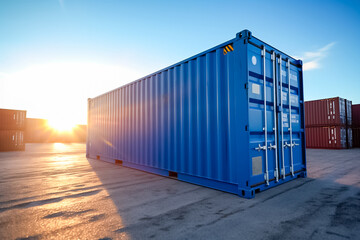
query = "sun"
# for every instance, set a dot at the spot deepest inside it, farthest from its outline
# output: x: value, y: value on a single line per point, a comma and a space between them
x: 61, y: 125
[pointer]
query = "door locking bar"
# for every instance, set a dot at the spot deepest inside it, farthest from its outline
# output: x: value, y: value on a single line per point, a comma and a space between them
x: 276, y: 171
x: 266, y: 176
x: 290, y: 120
x: 271, y: 146
x: 282, y: 121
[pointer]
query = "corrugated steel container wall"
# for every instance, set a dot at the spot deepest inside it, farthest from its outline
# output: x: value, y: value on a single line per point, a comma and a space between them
x: 326, y: 137
x: 348, y: 112
x: 325, y: 112
x: 355, y: 112
x: 11, y: 140
x: 12, y: 119
x: 349, y: 137
x: 202, y: 120
x: 356, y: 137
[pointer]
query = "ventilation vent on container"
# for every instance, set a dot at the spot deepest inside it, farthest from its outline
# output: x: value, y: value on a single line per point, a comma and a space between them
x: 173, y: 174
x: 119, y: 162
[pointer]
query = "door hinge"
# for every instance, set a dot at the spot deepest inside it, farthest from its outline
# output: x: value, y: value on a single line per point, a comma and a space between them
x: 263, y: 52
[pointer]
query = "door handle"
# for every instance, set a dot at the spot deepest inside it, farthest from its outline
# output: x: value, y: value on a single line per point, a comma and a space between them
x: 272, y: 146
x: 291, y: 145
x: 261, y: 148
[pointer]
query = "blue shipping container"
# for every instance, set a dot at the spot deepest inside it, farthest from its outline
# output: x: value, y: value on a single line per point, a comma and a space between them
x: 230, y: 118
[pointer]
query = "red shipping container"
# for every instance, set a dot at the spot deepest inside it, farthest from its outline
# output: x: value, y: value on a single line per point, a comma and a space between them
x: 326, y: 137
x: 349, y: 137
x: 325, y: 112
x: 355, y: 111
x: 11, y: 140
x: 12, y: 119
x: 356, y: 137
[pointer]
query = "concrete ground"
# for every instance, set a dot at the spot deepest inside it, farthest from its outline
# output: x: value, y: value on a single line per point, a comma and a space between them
x: 51, y: 191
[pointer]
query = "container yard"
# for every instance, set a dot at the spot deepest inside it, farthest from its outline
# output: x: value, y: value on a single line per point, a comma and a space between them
x: 169, y: 120
x: 202, y: 120
x: 12, y: 126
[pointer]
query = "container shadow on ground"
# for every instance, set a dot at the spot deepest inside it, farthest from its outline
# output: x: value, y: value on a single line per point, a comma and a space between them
x: 326, y: 205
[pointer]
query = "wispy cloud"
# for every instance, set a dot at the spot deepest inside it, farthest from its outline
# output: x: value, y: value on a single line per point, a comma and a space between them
x: 61, y: 2
x: 3, y: 74
x: 312, y: 59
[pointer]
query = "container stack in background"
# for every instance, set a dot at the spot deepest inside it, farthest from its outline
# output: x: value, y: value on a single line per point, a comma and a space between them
x: 356, y: 125
x: 328, y: 123
x: 12, y: 127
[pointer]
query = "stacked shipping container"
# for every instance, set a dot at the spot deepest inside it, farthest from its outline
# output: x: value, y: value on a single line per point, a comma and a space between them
x: 12, y: 126
x: 356, y: 124
x: 349, y: 133
x: 328, y: 123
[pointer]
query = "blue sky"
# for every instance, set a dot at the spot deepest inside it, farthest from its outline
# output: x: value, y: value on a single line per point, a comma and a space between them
x: 56, y: 54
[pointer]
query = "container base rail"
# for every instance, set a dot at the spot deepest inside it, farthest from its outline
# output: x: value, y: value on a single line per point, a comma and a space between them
x: 210, y: 183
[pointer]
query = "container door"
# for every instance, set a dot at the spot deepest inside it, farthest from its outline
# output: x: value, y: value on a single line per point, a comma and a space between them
x: 276, y: 127
x: 263, y: 125
x: 290, y: 130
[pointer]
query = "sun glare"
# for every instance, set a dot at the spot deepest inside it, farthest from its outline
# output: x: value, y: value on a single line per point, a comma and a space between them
x: 64, y: 89
x: 61, y: 125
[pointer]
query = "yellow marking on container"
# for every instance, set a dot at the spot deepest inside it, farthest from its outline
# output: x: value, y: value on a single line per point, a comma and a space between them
x: 228, y: 48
